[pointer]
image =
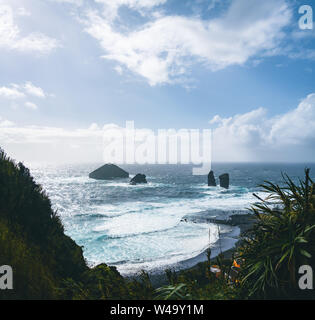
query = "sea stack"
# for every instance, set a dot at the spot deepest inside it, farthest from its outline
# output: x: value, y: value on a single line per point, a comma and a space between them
x: 139, y: 178
x: 225, y: 181
x: 108, y: 172
x: 211, y: 179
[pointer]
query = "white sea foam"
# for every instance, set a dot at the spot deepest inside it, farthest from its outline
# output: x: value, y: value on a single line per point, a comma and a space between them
x: 159, y: 249
x: 142, y: 226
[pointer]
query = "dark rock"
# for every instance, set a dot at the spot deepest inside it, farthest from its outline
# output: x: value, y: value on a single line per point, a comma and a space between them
x: 243, y: 221
x: 211, y: 179
x: 224, y: 181
x: 108, y: 172
x: 139, y: 178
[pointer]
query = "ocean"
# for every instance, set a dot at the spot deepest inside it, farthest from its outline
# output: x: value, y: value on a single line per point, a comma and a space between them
x: 159, y: 225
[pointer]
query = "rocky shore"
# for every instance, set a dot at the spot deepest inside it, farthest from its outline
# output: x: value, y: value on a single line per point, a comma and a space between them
x: 243, y: 221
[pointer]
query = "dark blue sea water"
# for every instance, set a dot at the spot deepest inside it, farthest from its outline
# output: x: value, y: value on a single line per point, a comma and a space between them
x: 155, y: 225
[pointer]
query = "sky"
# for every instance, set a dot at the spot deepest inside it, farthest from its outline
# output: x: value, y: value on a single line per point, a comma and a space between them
x: 242, y: 68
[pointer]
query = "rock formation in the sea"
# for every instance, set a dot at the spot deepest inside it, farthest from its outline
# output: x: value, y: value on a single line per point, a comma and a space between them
x: 211, y: 179
x: 108, y: 172
x: 224, y: 180
x: 139, y: 178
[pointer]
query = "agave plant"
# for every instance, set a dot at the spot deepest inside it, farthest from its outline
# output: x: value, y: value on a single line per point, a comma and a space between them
x: 282, y: 240
x: 173, y: 292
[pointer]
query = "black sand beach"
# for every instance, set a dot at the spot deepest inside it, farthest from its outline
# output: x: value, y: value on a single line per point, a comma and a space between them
x: 242, y: 221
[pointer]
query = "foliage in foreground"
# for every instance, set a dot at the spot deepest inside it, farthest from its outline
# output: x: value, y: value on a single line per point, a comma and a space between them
x: 46, y: 263
x: 271, y: 252
x: 198, y: 283
x: 281, y: 241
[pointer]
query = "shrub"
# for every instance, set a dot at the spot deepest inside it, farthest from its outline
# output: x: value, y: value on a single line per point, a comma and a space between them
x: 281, y: 241
x: 46, y: 263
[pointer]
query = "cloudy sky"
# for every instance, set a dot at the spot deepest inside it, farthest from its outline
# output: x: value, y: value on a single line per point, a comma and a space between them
x: 243, y: 68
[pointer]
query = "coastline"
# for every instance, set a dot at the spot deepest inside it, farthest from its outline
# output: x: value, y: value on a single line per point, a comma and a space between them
x: 242, y: 221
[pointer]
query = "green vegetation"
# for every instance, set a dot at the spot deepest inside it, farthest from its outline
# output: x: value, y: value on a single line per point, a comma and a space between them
x: 270, y: 253
x: 280, y: 242
x: 47, y: 264
x: 199, y: 284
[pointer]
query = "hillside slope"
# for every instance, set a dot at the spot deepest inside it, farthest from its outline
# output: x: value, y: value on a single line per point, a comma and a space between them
x: 47, y: 264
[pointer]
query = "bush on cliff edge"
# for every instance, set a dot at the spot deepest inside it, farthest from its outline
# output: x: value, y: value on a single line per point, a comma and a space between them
x: 46, y: 263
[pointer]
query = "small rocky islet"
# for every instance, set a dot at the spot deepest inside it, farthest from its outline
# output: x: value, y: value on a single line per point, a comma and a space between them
x: 108, y: 172
x: 111, y: 171
x: 138, y: 179
x: 223, y: 178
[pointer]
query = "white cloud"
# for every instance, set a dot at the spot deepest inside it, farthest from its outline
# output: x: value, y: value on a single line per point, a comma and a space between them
x: 47, y: 135
x: 94, y: 127
x: 22, y: 93
x: 11, y: 38
x: 17, y: 91
x: 6, y: 123
x: 33, y: 90
x: 11, y: 93
x: 23, y: 12
x: 254, y: 136
x: 161, y: 50
x: 111, y: 7
x: 51, y: 144
x: 295, y: 127
x: 31, y: 105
